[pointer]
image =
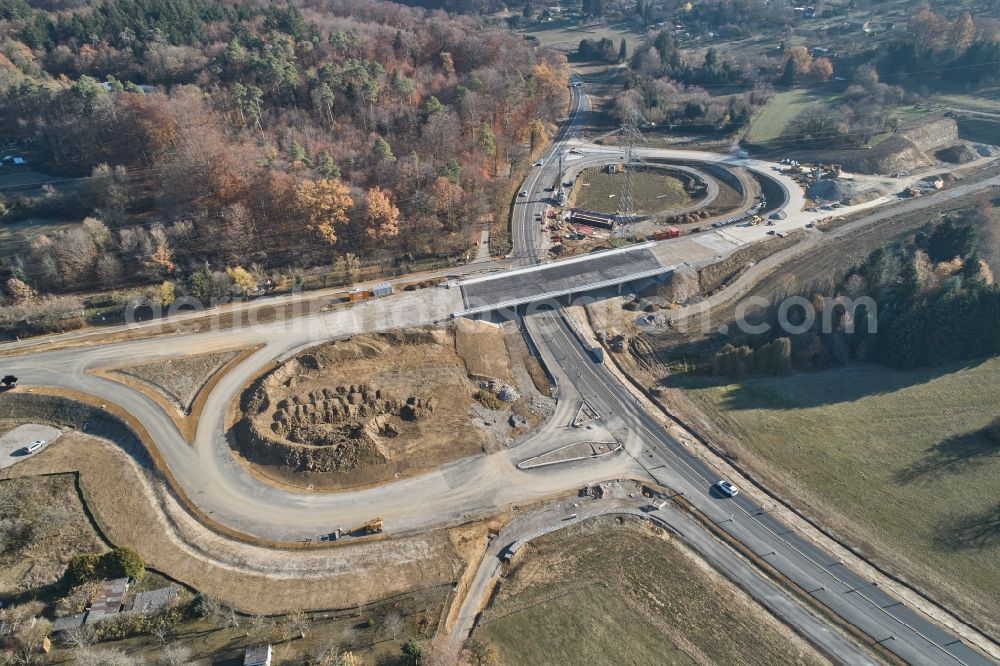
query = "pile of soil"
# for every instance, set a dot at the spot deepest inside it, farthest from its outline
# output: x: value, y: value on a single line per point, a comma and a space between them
x: 307, y: 422
x: 960, y: 153
x: 680, y: 287
x: 843, y: 191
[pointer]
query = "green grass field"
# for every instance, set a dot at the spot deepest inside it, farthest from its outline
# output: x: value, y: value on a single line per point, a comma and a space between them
x: 604, y: 593
x: 899, y: 456
x: 986, y: 101
x: 567, y: 33
x: 771, y: 121
x: 652, y: 191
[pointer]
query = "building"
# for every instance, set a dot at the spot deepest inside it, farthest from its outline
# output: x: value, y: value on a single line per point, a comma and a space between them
x: 151, y: 601
x: 258, y: 655
x: 108, y: 600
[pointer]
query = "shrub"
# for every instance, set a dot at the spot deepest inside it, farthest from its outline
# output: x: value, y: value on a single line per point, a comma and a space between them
x: 117, y: 563
x: 81, y: 568
x: 121, y: 562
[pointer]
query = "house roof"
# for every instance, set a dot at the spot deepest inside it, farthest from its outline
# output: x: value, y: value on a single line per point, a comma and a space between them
x: 147, y: 602
x: 258, y: 655
x: 108, y: 600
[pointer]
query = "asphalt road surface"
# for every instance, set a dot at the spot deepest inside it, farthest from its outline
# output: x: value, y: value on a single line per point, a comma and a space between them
x: 475, y: 487
x: 526, y: 232
x: 902, y: 631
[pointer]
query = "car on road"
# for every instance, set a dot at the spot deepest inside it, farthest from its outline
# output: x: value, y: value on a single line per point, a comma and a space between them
x: 576, y: 84
x: 522, y: 193
x: 727, y: 488
x: 576, y: 151
x: 538, y: 163
x: 34, y: 446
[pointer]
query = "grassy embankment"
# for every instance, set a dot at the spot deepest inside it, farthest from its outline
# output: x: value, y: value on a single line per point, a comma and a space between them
x: 604, y: 593
x: 897, y: 460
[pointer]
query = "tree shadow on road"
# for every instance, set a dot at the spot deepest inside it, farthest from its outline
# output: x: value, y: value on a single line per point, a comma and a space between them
x: 976, y: 531
x: 954, y: 455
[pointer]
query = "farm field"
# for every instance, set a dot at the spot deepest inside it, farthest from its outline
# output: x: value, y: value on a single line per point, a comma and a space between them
x: 608, y: 593
x: 653, y: 191
x: 897, y: 461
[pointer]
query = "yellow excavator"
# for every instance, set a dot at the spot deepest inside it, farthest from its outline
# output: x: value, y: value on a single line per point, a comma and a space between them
x: 755, y: 220
x: 373, y: 526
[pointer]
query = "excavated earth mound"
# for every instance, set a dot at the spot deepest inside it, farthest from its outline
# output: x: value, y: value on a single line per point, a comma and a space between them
x: 376, y: 407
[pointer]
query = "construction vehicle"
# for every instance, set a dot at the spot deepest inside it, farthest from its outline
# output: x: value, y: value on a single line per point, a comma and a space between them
x: 755, y: 220
x: 8, y: 382
x: 373, y: 526
x: 672, y: 232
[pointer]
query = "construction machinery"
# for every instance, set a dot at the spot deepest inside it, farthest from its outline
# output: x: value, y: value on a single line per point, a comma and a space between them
x: 8, y: 382
x: 373, y: 526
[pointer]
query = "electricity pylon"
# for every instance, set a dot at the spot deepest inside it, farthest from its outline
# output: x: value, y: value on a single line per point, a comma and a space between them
x: 631, y: 135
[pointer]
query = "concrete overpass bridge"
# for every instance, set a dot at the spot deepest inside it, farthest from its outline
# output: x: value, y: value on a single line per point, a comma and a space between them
x: 566, y: 278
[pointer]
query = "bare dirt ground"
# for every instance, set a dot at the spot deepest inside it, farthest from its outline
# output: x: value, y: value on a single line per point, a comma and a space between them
x: 668, y: 606
x: 428, y: 396
x: 132, y: 508
x: 179, y: 386
x: 179, y: 380
x: 481, y: 346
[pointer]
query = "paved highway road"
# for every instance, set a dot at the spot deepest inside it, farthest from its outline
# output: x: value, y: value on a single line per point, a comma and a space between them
x: 475, y: 487
x: 525, y: 229
x: 901, y: 630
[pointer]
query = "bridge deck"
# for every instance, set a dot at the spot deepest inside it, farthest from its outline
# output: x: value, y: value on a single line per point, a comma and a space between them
x: 576, y: 275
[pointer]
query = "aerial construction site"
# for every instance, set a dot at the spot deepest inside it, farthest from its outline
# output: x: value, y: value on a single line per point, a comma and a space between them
x: 624, y: 381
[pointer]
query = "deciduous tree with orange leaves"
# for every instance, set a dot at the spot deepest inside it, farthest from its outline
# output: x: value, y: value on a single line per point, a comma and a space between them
x: 324, y: 204
x: 381, y: 216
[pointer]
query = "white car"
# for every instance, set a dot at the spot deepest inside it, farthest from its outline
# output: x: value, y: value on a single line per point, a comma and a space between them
x: 538, y: 163
x: 34, y: 446
x: 728, y: 489
x: 522, y: 193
